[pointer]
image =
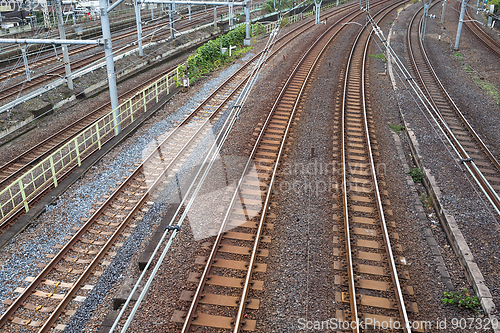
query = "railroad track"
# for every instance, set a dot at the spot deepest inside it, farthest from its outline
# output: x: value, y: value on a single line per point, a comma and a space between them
x: 61, y: 284
x: 374, y: 280
x: 227, y: 279
x: 482, y: 35
x: 120, y: 42
x: 471, y: 149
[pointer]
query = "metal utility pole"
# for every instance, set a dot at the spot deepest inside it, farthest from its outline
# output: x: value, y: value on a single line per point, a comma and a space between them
x: 246, y: 8
x: 460, y: 23
x: 317, y: 11
x: 139, y: 26
x: 444, y: 10
x: 45, y: 11
x: 171, y: 20
x: 230, y: 14
x: 73, y: 14
x: 110, y: 66
x: 25, y: 60
x: 215, y: 16
x: 62, y: 35
x: 189, y: 10
x: 426, y: 14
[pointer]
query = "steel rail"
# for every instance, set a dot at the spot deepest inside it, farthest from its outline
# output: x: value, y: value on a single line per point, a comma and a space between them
x: 480, y: 179
x: 203, y: 278
x: 378, y: 201
x: 60, y: 308
x: 454, y: 106
x: 173, y: 234
x: 482, y: 35
x: 41, y: 78
x: 394, y: 273
x: 246, y: 286
x: 78, y: 125
x: 35, y: 198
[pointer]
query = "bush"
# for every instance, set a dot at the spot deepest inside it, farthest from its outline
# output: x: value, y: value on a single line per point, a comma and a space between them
x: 462, y: 299
x: 416, y: 174
x: 209, y: 55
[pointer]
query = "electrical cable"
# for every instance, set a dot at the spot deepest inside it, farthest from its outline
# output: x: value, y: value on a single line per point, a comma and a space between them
x: 428, y: 106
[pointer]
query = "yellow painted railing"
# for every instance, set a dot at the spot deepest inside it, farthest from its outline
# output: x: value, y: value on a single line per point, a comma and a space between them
x: 49, y: 170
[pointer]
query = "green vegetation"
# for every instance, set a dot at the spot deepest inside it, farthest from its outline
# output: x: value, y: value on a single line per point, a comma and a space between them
x: 411, y: 2
x: 416, y: 174
x: 467, y: 68
x: 459, y: 56
x: 427, y: 200
x: 209, y: 56
x: 462, y: 299
x: 284, y: 4
x: 380, y: 56
x: 258, y: 29
x: 397, y: 128
x: 496, y: 3
x: 490, y: 88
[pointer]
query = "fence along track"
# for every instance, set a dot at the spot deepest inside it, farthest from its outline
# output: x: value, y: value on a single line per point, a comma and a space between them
x: 114, y: 215
x: 21, y: 163
x: 372, y: 278
x: 254, y: 195
x: 483, y: 166
x: 24, y: 192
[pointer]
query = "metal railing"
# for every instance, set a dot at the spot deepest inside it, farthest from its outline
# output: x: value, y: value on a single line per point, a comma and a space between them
x: 47, y: 172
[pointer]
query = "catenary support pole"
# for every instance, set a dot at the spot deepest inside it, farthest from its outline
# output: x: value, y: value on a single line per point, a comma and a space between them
x: 152, y: 13
x: 73, y: 14
x: 110, y: 66
x: 171, y: 20
x: 246, y: 8
x: 443, y: 11
x: 230, y: 15
x: 189, y: 10
x: 215, y: 17
x: 460, y: 23
x: 317, y: 11
x: 62, y: 35
x: 424, y: 18
x: 137, y: 7
x: 25, y: 60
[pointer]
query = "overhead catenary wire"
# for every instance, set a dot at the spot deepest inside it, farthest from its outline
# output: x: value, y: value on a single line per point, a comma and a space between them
x: 425, y: 102
x: 212, y: 155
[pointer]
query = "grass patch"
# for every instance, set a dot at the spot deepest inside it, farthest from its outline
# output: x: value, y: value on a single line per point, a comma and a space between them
x: 462, y: 299
x: 397, y: 128
x: 459, y: 56
x: 427, y: 200
x: 467, y: 68
x: 490, y: 88
x: 416, y: 174
x: 380, y: 56
x: 411, y: 2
